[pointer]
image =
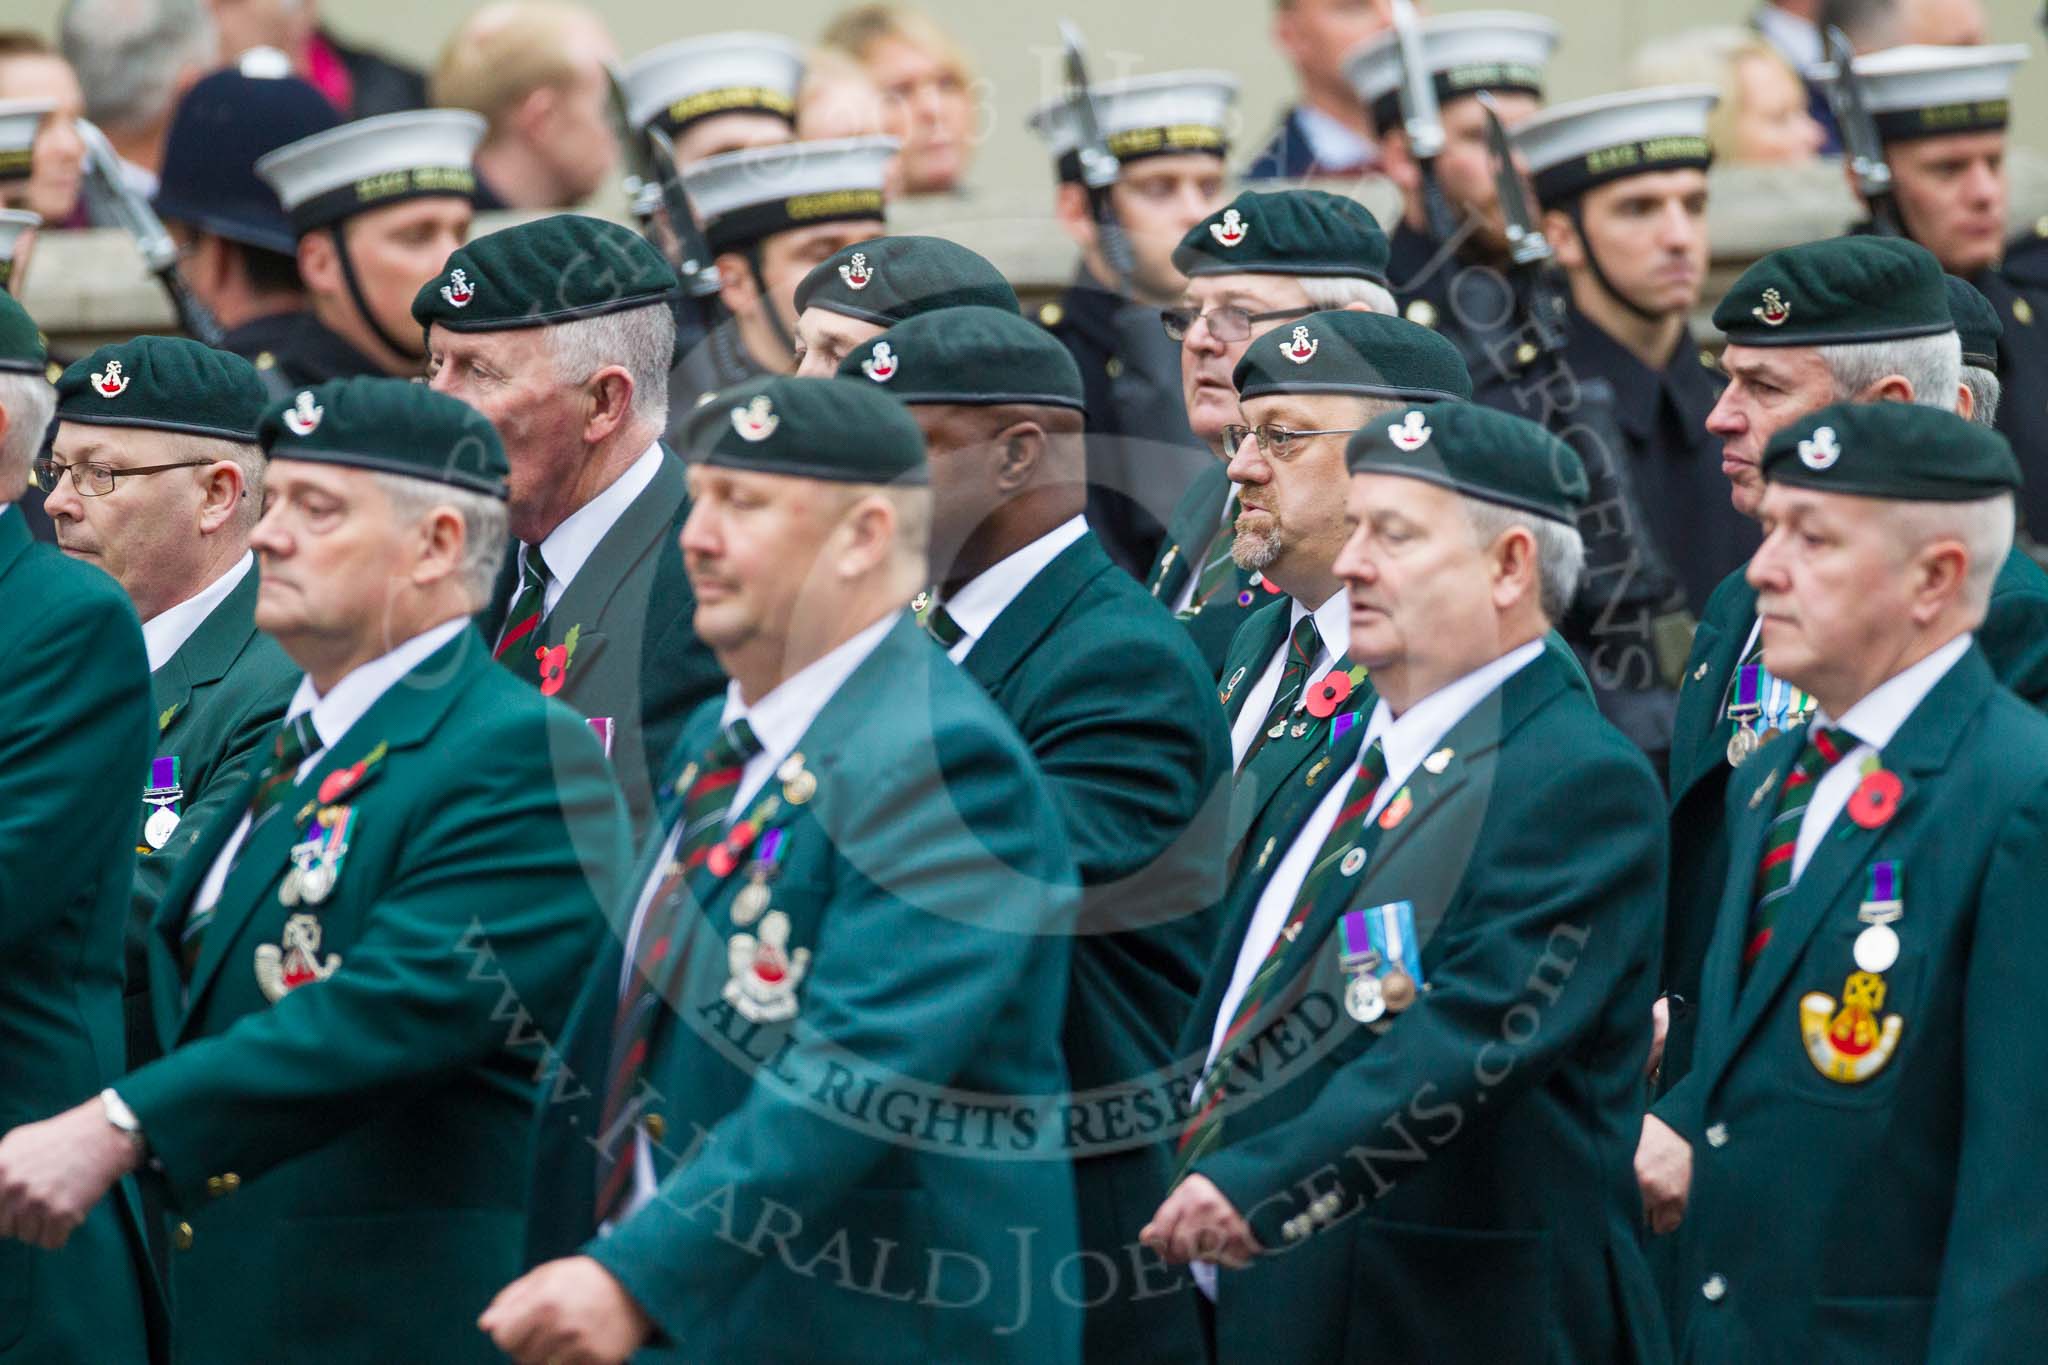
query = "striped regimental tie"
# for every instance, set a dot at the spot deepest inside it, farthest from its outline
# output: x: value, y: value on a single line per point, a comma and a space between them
x: 295, y: 739
x: 522, y: 622
x: 1824, y: 749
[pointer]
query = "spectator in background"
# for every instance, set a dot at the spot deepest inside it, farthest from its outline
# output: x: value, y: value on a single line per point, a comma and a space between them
x: 926, y: 85
x: 1326, y: 132
x: 31, y: 69
x: 839, y: 99
x: 535, y: 70
x: 1875, y: 24
x: 1763, y: 117
x: 135, y: 60
x: 358, y: 83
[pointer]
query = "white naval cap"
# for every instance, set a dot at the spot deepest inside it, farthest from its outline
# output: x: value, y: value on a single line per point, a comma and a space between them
x: 373, y: 162
x: 724, y: 73
x: 1465, y: 54
x: 19, y: 120
x: 747, y: 195
x: 1929, y: 91
x: 1573, y: 147
x: 1178, y: 111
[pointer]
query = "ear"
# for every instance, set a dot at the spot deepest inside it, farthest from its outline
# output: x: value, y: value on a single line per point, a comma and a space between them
x: 1893, y: 388
x: 1966, y: 402
x: 611, y: 403
x: 1515, y: 574
x: 1070, y: 208
x: 531, y: 114
x: 319, y: 265
x: 1287, y: 35
x: 736, y: 288
x: 1940, y: 569
x: 1564, y: 239
x: 224, y: 489
x: 866, y: 536
x: 1022, y: 447
x: 441, y: 537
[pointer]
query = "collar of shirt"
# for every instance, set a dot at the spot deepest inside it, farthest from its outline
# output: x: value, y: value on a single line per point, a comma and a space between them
x: 1405, y: 740
x: 569, y: 546
x: 1878, y: 716
x: 344, y: 704
x: 975, y: 607
x: 1333, y: 143
x: 1333, y: 627
x: 780, y: 718
x: 166, y: 632
x: 1797, y: 39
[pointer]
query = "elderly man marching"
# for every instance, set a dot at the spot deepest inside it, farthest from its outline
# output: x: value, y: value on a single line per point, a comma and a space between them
x: 1411, y: 1137
x: 338, y: 1119
x: 1856, y: 1072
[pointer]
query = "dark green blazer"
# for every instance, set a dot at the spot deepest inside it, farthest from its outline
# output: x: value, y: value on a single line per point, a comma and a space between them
x: 1471, y: 1170
x: 2014, y: 638
x: 821, y: 1195
x: 74, y: 741
x: 1118, y: 710
x: 349, y: 1161
x: 1190, y: 532
x: 637, y: 659
x: 217, y: 702
x: 1903, y: 1221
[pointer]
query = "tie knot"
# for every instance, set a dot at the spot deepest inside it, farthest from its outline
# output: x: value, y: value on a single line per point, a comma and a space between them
x: 534, y: 570
x: 1305, y: 642
x: 940, y: 625
x: 1825, y: 747
x: 297, y: 739
x: 736, y: 743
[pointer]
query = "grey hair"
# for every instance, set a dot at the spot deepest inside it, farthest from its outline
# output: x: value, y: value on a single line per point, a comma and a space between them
x: 642, y: 340
x: 1986, y: 389
x: 1341, y: 291
x: 1933, y: 365
x: 483, y: 525
x: 1560, y: 550
x: 129, y: 55
x: 245, y: 456
x: 1983, y: 525
x: 29, y: 402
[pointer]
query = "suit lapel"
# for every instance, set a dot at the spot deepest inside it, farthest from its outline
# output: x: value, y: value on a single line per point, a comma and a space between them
x: 207, y: 654
x: 1262, y: 634
x: 170, y: 693
x: 635, y: 535
x: 1723, y: 652
x: 1188, y: 534
x: 1019, y: 627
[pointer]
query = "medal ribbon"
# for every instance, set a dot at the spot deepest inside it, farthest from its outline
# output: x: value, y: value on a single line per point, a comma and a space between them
x: 163, y: 774
x: 1884, y: 885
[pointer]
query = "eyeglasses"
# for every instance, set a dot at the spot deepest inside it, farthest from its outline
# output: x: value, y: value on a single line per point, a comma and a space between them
x: 1225, y: 324
x: 91, y: 479
x: 1275, y: 441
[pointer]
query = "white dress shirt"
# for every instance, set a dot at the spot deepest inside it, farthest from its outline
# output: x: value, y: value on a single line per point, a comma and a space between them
x: 334, y: 714
x: 1333, y: 622
x: 1333, y: 143
x: 569, y: 546
x: 166, y: 632
x: 779, y: 721
x: 975, y: 607
x: 1404, y: 742
x: 1225, y: 525
x: 1873, y: 721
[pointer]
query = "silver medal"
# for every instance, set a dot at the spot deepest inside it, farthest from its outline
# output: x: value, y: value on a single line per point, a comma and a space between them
x: 1877, y: 948
x: 749, y: 903
x: 1363, y: 1001
x: 161, y: 825
x: 316, y: 882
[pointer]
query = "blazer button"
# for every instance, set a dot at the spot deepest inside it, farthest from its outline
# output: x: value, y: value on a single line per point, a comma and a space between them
x: 181, y: 1237
x: 1715, y: 1289
x: 214, y: 1188
x: 656, y: 1126
x: 230, y: 1182
x: 1717, y: 1135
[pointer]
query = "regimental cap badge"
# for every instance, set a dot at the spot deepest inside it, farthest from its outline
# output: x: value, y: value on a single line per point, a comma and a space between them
x: 1773, y: 311
x: 1231, y: 230
x: 304, y: 415
x: 856, y: 272
x: 1410, y: 433
x: 110, y: 382
x: 881, y: 366
x: 757, y: 420
x: 1821, y: 451
x: 1301, y: 348
x: 458, y: 291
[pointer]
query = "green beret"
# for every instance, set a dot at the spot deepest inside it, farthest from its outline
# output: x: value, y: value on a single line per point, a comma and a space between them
x: 1976, y: 323
x: 21, y: 345
x: 886, y: 280
x: 1286, y: 232
x: 392, y: 426
x: 839, y: 430
x: 1478, y: 451
x: 1843, y: 290
x: 976, y: 356
x: 1906, y: 451
x: 1350, y: 351
x: 166, y: 383
x: 555, y: 269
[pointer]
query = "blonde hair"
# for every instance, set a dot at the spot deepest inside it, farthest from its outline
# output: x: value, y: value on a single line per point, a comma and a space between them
x: 856, y: 30
x: 504, y: 52
x: 1707, y: 56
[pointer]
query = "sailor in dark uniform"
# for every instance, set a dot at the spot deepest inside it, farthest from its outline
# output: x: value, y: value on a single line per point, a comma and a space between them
x: 1459, y: 287
x: 1169, y: 134
x: 1941, y: 113
x: 240, y: 253
x: 769, y: 215
x: 377, y: 206
x: 17, y: 237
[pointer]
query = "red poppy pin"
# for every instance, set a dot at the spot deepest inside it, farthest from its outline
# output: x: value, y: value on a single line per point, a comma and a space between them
x: 1875, y: 798
x: 1329, y: 694
x: 342, y: 780
x: 554, y: 662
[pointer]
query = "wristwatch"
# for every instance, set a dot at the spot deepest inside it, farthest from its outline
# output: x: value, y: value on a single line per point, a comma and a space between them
x: 122, y: 1117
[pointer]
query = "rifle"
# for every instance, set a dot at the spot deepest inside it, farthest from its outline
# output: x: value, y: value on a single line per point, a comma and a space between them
x: 1529, y: 252
x: 111, y: 199
x: 654, y: 190
x: 1859, y: 136
x: 1421, y: 119
x: 1099, y: 166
